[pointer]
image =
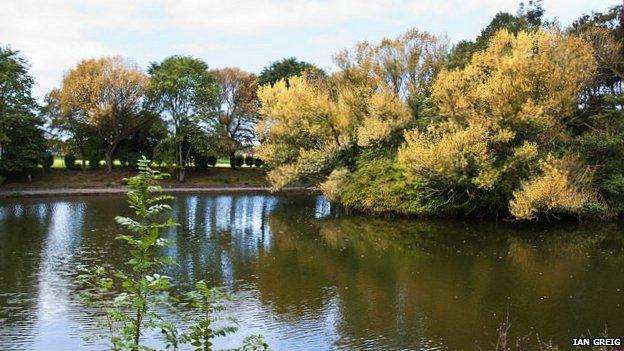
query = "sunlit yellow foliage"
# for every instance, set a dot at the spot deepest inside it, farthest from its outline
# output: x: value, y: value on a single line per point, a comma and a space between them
x: 563, y: 186
x: 530, y: 82
x: 105, y: 94
x: 305, y: 125
x: 460, y: 157
x: 103, y: 88
x: 332, y: 186
x: 510, y: 105
x: 308, y: 126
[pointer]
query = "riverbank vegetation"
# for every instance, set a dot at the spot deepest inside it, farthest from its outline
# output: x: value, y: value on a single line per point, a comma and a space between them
x: 523, y: 122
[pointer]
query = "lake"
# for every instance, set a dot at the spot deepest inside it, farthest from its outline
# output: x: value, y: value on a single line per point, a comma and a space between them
x: 310, y: 280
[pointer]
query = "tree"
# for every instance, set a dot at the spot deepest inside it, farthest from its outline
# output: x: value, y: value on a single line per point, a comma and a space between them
x: 286, y: 68
x: 407, y: 64
x: 105, y: 94
x: 185, y: 93
x: 237, y: 111
x: 505, y: 117
x: 22, y: 144
x: 315, y: 128
x: 600, y: 125
x: 528, y: 18
x: 83, y: 137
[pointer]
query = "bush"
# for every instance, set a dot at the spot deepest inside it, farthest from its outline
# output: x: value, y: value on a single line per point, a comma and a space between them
x: 212, y: 161
x: 70, y: 162
x: 239, y: 160
x: 129, y: 159
x: 47, y: 160
x: 94, y: 161
x: 258, y: 162
x: 201, y: 163
x: 249, y: 161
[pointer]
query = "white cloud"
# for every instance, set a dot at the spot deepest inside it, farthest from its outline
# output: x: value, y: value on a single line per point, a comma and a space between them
x: 55, y: 34
x: 247, y: 16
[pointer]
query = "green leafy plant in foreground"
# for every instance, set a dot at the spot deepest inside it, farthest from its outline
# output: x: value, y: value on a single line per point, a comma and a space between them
x: 131, y: 298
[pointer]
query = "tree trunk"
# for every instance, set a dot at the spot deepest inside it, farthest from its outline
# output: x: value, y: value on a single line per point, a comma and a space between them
x: 180, y: 163
x: 233, y: 160
x: 108, y: 155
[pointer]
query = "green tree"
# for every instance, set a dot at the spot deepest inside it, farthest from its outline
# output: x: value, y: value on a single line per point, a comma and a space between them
x: 600, y: 122
x: 22, y: 144
x: 185, y: 93
x: 237, y: 111
x: 286, y: 68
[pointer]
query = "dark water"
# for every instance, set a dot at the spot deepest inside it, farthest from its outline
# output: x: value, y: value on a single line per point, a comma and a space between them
x: 308, y: 281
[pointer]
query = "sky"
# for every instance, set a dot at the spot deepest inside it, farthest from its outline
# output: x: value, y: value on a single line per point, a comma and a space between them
x: 54, y: 35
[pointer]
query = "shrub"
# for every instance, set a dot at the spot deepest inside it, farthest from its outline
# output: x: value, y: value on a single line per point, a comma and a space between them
x: 47, y: 160
x: 70, y: 161
x: 212, y: 160
x: 201, y: 163
x: 249, y: 161
x: 258, y: 162
x: 94, y: 161
x: 239, y: 160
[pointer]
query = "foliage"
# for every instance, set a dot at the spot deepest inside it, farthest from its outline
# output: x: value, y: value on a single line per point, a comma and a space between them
x: 21, y: 138
x: 236, y: 113
x: 239, y: 160
x: 47, y: 160
x: 286, y: 68
x: 313, y: 126
x: 600, y: 127
x: 106, y: 96
x: 185, y: 93
x: 527, y: 19
x: 94, y: 161
x: 130, y: 312
x: 249, y: 161
x: 212, y: 160
x: 201, y: 163
x: 563, y: 187
x: 70, y: 162
x: 207, y: 302
x: 501, y: 114
x: 132, y: 299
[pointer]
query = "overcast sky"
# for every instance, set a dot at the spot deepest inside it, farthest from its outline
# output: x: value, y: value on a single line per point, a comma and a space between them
x: 54, y: 35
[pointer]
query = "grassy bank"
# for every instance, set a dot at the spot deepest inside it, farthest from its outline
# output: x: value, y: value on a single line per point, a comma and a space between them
x: 213, y: 177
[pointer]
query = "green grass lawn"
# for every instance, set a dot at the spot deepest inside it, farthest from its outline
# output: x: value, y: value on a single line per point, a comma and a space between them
x: 59, y: 162
x: 219, y: 176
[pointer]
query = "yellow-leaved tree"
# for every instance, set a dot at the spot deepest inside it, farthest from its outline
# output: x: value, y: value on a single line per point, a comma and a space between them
x: 504, y: 119
x: 105, y: 94
x: 313, y: 128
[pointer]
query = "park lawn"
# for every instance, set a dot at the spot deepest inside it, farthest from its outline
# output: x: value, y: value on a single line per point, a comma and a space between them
x: 59, y: 162
x: 213, y: 177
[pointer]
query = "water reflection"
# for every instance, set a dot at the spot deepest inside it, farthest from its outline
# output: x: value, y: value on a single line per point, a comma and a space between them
x: 303, y: 277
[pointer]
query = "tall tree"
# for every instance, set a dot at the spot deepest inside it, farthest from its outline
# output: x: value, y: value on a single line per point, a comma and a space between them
x: 237, y: 110
x: 106, y: 94
x: 529, y: 17
x: 185, y: 93
x: 286, y: 68
x: 21, y: 137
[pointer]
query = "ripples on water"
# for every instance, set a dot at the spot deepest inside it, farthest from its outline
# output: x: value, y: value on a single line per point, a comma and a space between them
x: 307, y: 280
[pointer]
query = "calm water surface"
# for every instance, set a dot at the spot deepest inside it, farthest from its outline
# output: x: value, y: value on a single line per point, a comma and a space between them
x: 307, y: 280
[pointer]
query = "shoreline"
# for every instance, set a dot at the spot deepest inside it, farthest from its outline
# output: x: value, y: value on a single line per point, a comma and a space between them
x: 88, y: 191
